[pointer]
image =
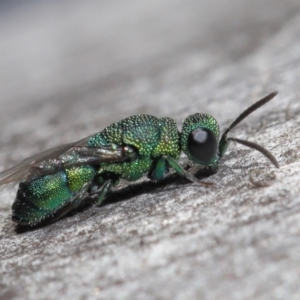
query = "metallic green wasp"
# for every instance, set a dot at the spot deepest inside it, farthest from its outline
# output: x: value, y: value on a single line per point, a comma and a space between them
x: 56, y: 181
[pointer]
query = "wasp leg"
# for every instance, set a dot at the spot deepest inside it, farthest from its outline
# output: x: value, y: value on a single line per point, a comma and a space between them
x: 105, y: 189
x: 73, y: 203
x: 101, y: 192
x: 173, y: 164
x: 158, y: 170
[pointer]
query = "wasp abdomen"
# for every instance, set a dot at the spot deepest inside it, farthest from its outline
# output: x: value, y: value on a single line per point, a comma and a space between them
x: 40, y: 199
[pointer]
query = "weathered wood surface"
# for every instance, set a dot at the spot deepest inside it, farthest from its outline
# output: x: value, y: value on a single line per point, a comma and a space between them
x: 68, y: 69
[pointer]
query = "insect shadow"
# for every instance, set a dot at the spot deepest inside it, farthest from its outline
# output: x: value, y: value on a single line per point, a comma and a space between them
x: 174, y: 181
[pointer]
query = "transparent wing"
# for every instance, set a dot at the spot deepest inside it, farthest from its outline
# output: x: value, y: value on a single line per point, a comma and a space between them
x: 68, y: 155
x: 20, y: 171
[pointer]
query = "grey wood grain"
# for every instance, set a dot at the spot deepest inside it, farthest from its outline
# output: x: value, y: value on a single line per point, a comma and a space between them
x: 68, y: 69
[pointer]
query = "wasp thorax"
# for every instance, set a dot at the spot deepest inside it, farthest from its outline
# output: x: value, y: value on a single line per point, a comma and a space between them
x: 199, y: 138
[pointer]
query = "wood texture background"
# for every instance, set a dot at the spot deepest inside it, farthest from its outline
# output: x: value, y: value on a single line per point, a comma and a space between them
x: 70, y: 68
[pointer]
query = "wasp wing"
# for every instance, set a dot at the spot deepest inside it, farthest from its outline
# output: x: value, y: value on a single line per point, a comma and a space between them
x: 57, y: 158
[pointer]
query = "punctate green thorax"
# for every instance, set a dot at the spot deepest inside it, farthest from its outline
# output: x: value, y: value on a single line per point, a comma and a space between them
x: 149, y: 136
x: 58, y: 180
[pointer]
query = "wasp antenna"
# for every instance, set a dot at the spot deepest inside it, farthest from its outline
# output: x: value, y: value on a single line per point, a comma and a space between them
x: 259, y: 148
x: 249, y: 111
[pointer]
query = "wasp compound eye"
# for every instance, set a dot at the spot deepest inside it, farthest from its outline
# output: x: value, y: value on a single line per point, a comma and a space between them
x: 199, y: 138
x: 202, y: 144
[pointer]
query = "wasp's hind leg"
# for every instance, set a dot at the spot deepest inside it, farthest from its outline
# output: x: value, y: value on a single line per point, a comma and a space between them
x: 99, y: 192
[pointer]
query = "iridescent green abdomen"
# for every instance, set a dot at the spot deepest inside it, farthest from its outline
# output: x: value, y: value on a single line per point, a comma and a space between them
x: 41, y: 198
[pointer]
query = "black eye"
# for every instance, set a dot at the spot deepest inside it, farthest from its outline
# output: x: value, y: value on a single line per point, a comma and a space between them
x: 202, y: 144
